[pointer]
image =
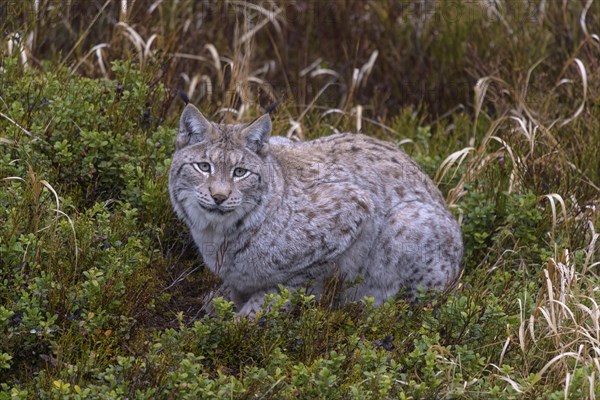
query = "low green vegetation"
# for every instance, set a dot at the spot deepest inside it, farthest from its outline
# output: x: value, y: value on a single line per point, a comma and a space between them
x: 103, y: 295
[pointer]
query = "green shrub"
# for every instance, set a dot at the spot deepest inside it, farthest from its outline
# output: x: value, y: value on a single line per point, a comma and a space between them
x: 102, y: 294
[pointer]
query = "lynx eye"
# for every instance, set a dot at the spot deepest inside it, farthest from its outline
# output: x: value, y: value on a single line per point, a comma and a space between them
x: 202, y: 167
x: 240, y: 172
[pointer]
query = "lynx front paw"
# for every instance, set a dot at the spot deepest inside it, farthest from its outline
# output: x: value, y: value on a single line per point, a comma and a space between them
x: 252, y: 306
x: 256, y: 303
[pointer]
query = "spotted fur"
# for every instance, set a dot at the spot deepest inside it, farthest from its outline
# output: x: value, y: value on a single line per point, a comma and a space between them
x: 345, y: 203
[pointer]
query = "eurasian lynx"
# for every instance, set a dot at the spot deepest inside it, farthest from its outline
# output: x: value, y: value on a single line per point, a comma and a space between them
x: 268, y: 211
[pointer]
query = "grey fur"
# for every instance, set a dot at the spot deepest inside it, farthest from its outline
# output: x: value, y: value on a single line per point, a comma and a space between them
x: 345, y: 203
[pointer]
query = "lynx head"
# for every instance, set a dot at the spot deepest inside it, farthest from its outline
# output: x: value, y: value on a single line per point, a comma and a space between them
x: 218, y: 171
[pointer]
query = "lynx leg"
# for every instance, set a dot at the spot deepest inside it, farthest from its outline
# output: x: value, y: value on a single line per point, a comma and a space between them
x: 421, y: 246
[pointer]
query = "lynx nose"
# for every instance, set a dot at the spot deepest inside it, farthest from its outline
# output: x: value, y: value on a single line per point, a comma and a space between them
x: 219, y: 198
x: 220, y: 191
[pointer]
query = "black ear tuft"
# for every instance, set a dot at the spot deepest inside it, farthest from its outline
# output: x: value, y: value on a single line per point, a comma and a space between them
x: 193, y: 127
x: 183, y: 97
x: 272, y: 107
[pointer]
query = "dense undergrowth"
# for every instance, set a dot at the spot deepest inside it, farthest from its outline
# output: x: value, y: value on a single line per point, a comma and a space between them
x: 102, y: 294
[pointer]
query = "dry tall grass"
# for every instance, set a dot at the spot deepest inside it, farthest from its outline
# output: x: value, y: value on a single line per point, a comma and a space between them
x: 524, y: 74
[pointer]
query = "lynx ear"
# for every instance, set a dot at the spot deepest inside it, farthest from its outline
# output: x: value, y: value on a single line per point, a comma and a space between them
x: 193, y: 127
x: 256, y: 135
